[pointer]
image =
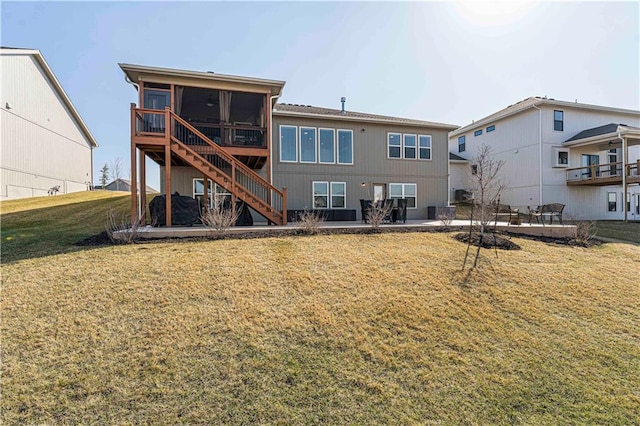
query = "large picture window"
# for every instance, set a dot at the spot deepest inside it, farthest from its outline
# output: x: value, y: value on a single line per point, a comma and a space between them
x: 404, y: 190
x: 288, y: 144
x: 307, y: 145
x: 410, y: 147
x: 424, y: 142
x: 327, y: 146
x: 394, y: 145
x: 345, y: 147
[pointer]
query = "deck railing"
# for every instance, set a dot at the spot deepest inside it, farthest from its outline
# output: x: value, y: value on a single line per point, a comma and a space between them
x: 239, y: 175
x: 600, y: 172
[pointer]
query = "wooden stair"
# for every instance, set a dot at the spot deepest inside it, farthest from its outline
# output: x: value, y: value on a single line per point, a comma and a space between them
x: 228, y: 172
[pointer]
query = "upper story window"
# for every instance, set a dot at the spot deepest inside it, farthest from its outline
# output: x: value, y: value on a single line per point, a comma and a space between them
x: 558, y: 120
x: 345, y: 146
x: 394, y: 145
x: 424, y: 142
x: 462, y: 142
x: 477, y: 132
x: 327, y: 146
x: 307, y: 145
x: 312, y: 145
x: 491, y: 128
x: 410, y: 146
x: 288, y: 144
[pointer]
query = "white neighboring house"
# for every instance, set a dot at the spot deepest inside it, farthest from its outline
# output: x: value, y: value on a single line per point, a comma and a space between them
x: 44, y: 142
x: 558, y: 152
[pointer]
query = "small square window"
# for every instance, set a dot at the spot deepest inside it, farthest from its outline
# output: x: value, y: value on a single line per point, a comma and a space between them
x: 474, y: 169
x: 477, y: 132
x: 491, y: 128
x: 563, y: 157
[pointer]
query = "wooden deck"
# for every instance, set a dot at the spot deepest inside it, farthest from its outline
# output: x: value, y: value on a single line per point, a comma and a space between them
x: 603, y: 174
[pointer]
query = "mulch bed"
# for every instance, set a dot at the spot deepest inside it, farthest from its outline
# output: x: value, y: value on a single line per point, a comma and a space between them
x: 488, y: 241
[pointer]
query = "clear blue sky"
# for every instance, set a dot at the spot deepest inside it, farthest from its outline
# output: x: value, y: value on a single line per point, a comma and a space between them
x: 446, y: 62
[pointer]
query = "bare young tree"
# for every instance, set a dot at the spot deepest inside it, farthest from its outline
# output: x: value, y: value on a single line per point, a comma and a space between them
x: 310, y: 221
x: 377, y: 212
x: 116, y: 171
x: 220, y: 218
x: 486, y: 186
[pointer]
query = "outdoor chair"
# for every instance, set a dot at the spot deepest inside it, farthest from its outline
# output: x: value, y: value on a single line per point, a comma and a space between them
x: 401, y: 215
x: 547, y: 210
x: 365, y: 205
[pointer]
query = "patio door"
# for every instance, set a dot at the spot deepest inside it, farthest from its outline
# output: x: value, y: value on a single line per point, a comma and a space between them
x: 379, y: 191
x: 587, y: 161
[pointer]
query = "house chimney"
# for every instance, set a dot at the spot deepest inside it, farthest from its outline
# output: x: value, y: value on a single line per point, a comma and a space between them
x: 343, y: 100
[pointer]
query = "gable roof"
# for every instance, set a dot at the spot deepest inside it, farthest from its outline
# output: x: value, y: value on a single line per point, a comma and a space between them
x: 530, y: 102
x: 127, y: 183
x: 133, y: 71
x: 295, y: 110
x: 611, y: 130
x: 9, y: 51
x: 596, y: 131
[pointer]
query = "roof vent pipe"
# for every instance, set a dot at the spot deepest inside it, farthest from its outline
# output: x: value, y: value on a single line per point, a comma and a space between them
x: 343, y: 100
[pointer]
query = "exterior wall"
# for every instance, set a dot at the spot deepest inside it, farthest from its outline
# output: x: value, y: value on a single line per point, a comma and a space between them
x: 42, y: 145
x: 514, y: 141
x: 370, y: 165
x: 520, y: 132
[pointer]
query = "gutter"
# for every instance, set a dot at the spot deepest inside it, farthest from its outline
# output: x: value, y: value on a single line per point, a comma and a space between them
x: 624, y: 176
x: 539, y: 153
x: 271, y: 107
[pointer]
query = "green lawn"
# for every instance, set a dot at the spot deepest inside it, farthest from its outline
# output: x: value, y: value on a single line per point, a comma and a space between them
x: 619, y: 230
x: 360, y: 329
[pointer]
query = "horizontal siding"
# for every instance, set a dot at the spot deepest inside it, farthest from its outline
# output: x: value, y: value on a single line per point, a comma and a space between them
x: 370, y: 165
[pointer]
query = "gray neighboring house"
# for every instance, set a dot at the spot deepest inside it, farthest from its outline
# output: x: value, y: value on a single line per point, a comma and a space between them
x: 124, y: 185
x: 44, y: 142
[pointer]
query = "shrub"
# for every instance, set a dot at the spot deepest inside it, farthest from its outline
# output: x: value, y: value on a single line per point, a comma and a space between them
x: 309, y: 222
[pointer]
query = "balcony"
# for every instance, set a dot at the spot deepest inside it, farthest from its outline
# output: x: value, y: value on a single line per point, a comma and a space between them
x: 603, y: 174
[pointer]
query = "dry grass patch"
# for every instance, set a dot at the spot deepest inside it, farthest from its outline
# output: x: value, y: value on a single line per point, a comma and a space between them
x: 363, y: 329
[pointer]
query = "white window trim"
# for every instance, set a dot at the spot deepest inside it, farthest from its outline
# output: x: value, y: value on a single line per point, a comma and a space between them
x: 315, y: 145
x: 282, y: 126
x: 556, y: 153
x: 403, y: 194
x: 553, y: 121
x: 313, y: 195
x: 388, y: 145
x: 335, y: 151
x: 331, y: 195
x: 430, y: 148
x: 212, y: 190
x: 415, y: 147
x: 615, y: 196
x: 338, y: 147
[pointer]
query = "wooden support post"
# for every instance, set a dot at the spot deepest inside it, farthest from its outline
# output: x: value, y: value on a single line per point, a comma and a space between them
x: 205, y: 197
x: 233, y: 189
x: 143, y: 189
x: 284, y: 205
x: 167, y: 183
x: 134, y: 174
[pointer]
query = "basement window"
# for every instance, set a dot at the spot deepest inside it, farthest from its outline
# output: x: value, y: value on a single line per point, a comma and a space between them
x: 612, y: 201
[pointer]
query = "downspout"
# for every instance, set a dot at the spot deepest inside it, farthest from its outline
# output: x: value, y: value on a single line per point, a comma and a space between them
x: 271, y: 147
x: 624, y: 176
x: 539, y: 153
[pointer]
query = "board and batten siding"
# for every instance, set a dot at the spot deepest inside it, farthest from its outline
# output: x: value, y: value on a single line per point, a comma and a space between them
x: 370, y: 165
x: 42, y: 144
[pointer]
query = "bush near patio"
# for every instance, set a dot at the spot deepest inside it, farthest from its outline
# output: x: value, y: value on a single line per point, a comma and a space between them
x: 332, y: 329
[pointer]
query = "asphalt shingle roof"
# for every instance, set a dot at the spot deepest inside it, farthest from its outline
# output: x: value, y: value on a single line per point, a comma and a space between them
x: 597, y: 131
x: 453, y: 156
x: 308, y: 109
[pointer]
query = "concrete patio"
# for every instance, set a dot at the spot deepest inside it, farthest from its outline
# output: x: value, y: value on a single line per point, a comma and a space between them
x: 538, y: 230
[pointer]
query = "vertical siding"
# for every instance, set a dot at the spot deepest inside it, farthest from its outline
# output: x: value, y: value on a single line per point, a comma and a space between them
x: 370, y: 165
x: 42, y: 145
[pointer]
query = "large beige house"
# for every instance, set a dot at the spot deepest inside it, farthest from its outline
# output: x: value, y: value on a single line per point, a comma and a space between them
x: 44, y: 142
